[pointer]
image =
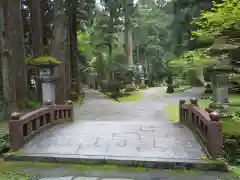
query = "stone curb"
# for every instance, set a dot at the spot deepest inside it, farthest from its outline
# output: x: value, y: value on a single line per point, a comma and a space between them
x: 155, y: 163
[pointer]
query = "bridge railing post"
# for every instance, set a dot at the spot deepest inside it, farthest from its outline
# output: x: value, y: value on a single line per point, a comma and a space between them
x: 70, y: 112
x: 50, y: 104
x: 181, y: 113
x: 15, y: 130
x: 215, y: 137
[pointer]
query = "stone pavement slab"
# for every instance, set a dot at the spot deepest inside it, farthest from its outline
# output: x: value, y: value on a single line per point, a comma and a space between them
x: 117, y: 138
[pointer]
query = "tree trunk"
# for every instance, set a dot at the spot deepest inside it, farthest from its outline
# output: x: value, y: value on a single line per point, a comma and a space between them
x: 9, y: 95
x: 75, y: 79
x: 37, y: 37
x: 37, y: 27
x: 18, y: 53
x: 59, y: 51
x: 170, y: 88
x: 128, y: 32
x: 68, y: 76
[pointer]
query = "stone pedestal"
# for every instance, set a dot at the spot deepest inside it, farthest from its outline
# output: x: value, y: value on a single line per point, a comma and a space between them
x: 220, y: 89
x: 142, y: 80
x: 130, y: 86
x: 48, y: 92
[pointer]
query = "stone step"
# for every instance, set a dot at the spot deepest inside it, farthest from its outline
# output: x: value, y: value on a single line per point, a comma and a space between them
x: 59, y: 172
x: 155, y: 163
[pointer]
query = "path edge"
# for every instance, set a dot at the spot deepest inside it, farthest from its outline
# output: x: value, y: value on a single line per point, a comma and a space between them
x: 160, y: 163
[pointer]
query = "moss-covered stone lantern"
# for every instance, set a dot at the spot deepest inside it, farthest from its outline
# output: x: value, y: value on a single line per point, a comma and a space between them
x: 221, y: 49
x: 46, y: 66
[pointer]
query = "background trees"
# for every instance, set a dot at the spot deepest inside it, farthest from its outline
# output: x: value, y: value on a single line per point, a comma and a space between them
x: 100, y: 39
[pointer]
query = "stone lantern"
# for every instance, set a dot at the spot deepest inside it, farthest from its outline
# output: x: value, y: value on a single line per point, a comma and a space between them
x: 220, y: 76
x: 46, y: 76
x: 220, y: 71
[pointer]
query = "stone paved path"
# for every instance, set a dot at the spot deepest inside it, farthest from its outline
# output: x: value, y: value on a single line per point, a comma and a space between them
x: 130, y: 130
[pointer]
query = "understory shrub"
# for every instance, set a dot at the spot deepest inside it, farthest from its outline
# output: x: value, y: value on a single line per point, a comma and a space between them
x: 142, y: 86
x: 4, y: 145
x: 31, y: 104
x: 130, y: 89
x: 208, y: 89
x: 231, y: 136
x: 108, y: 86
x: 232, y: 147
x: 170, y: 89
x: 74, y: 96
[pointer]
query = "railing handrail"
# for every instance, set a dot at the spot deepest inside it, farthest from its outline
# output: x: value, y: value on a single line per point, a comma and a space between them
x: 33, y: 114
x: 207, y: 126
x: 202, y: 112
x: 22, y: 128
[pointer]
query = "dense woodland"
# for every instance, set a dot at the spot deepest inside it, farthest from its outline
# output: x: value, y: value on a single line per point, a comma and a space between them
x: 113, y: 41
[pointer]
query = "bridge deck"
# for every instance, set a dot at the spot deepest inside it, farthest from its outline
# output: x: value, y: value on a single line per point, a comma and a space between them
x: 107, y: 129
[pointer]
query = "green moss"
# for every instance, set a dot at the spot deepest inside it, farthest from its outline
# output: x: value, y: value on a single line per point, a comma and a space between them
x: 14, y: 176
x: 176, y: 171
x: 10, y: 166
x: 42, y: 60
x: 173, y: 112
x: 129, y: 97
x: 182, y: 88
x: 31, y: 104
x: 235, y: 170
x: 16, y: 153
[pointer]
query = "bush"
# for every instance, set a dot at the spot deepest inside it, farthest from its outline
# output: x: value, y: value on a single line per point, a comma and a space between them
x: 231, y: 139
x: 142, y: 86
x: 4, y: 145
x: 208, y: 89
x: 108, y: 86
x: 176, y: 85
x: 130, y: 89
x: 116, y: 95
x: 170, y: 89
x: 113, y: 87
x: 31, y: 104
x: 74, y: 96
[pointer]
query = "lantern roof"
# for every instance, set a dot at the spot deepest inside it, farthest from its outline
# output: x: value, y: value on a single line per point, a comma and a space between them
x: 44, y: 61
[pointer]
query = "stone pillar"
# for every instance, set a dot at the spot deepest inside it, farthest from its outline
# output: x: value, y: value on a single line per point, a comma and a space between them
x: 221, y: 88
x: 48, y: 92
x: 142, y: 80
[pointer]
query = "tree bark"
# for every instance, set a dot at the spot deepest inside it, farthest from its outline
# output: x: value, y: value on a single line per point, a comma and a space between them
x: 9, y: 90
x: 59, y: 43
x: 37, y: 27
x: 18, y: 50
x: 75, y: 79
x: 37, y: 37
x: 128, y: 32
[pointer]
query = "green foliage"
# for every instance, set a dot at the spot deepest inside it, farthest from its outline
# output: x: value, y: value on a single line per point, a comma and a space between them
x: 101, y: 45
x: 170, y: 89
x: 192, y: 60
x: 223, y: 16
x: 130, y: 89
x: 43, y: 60
x: 15, y: 176
x: 142, y: 86
x: 31, y: 104
x: 74, y: 96
x: 4, y: 145
x: 110, y: 86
